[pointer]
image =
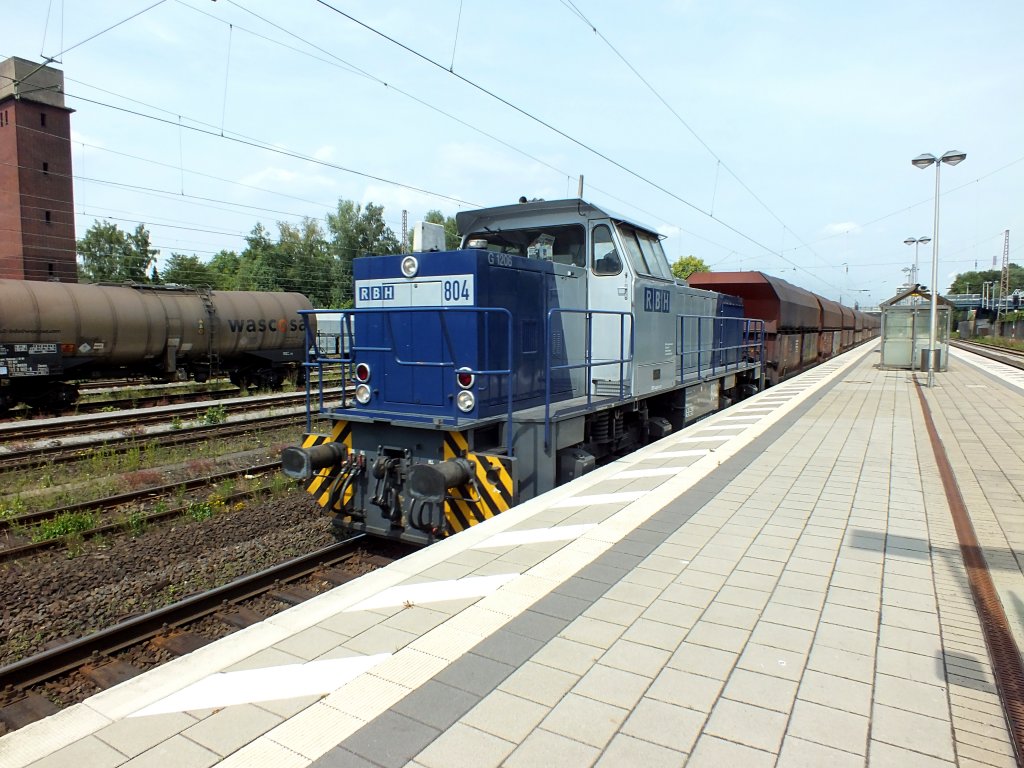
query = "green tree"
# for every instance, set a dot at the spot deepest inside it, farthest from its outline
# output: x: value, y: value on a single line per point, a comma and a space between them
x: 970, y: 282
x: 109, y: 255
x: 224, y: 267
x: 188, y: 270
x: 685, y: 266
x: 451, y: 230
x: 355, y: 232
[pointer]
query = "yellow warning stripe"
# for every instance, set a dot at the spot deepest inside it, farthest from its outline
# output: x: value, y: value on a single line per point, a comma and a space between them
x: 325, y: 480
x: 473, y: 503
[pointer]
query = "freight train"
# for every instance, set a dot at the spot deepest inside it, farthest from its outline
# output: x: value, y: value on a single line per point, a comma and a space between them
x: 553, y: 340
x: 53, y: 334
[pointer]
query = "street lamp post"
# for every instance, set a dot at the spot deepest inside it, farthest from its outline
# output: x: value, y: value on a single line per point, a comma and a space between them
x: 923, y: 161
x: 916, y: 242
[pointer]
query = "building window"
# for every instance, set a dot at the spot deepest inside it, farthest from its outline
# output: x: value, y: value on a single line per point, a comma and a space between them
x: 42, y: 119
x: 4, y: 119
x: 46, y: 168
x: 47, y: 217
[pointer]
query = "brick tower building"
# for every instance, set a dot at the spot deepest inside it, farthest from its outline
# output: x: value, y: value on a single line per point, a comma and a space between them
x: 37, y: 219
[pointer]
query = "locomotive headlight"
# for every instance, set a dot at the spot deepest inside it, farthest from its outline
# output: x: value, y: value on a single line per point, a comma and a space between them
x: 363, y: 394
x: 410, y: 266
x: 465, y: 400
x: 465, y: 378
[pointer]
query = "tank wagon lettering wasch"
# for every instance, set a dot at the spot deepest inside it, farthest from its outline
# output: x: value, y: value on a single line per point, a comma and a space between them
x: 274, y: 325
x: 553, y: 340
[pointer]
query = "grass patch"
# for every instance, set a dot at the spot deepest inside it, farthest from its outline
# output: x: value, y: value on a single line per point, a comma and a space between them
x: 64, y: 524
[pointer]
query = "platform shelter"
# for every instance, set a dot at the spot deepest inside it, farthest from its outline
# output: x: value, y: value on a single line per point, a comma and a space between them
x: 905, y: 330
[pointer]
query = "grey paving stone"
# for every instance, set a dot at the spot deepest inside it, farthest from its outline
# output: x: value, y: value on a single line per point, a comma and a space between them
x: 614, y: 611
x: 390, y: 739
x: 762, y: 690
x: 718, y: 636
x: 613, y: 686
x: 630, y: 751
x: 702, y: 660
x: 912, y: 731
x: 666, y: 724
x: 584, y: 589
x: 742, y: 723
x: 600, y: 634
x: 176, y: 751
x: 829, y: 726
x: 635, y: 657
x: 543, y: 749
x: 436, y: 705
x: 508, y: 647
x: 657, y: 634
x: 584, y: 719
x: 712, y: 752
x: 835, y: 691
x: 774, y: 662
x: 475, y: 674
x: 231, y: 728
x: 465, y: 747
x: 537, y: 626
x: 536, y: 682
x: 887, y: 756
x: 780, y: 636
x: 685, y: 689
x: 133, y: 736
x: 602, y: 573
x: 912, y: 696
x: 89, y: 752
x: 506, y: 716
x: 799, y: 753
x: 342, y: 758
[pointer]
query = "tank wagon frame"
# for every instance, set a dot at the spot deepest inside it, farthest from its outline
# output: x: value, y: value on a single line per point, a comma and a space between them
x: 53, y: 334
x: 555, y: 339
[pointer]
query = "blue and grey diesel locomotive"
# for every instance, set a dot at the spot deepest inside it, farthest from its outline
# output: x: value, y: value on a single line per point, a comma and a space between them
x: 555, y: 339
x: 53, y: 334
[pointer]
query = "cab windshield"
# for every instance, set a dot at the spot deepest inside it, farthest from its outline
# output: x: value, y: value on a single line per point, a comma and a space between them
x: 645, y: 251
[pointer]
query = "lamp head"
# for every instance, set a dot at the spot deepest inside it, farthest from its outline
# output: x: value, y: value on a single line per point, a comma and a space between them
x: 924, y: 240
x: 910, y: 241
x: 953, y: 157
x: 923, y: 161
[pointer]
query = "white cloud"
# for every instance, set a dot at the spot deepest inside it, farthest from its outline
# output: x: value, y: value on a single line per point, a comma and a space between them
x: 842, y: 228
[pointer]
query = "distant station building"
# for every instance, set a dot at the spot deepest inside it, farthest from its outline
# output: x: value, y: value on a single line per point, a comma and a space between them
x: 37, y: 218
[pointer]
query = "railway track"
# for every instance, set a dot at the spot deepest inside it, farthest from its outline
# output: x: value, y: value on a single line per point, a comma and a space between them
x: 29, y: 456
x: 131, y: 421
x: 94, y: 657
x: 1012, y: 357
x: 30, y: 520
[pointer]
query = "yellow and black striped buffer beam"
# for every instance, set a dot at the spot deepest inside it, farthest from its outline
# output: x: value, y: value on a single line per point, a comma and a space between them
x: 492, y: 493
x: 321, y: 484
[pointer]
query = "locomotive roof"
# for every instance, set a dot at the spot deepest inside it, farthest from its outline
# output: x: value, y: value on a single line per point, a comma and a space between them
x: 570, y: 209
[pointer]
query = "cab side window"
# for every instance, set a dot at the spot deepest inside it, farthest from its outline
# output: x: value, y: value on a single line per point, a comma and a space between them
x: 604, y: 259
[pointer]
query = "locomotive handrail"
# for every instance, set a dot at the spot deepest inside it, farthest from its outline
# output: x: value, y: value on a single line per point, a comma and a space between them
x: 347, y: 317
x: 589, y: 361
x: 752, y: 335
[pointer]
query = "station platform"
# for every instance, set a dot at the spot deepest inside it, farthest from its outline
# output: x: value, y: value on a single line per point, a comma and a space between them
x: 779, y: 584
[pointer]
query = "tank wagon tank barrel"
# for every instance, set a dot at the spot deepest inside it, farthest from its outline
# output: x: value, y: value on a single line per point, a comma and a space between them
x: 52, y: 333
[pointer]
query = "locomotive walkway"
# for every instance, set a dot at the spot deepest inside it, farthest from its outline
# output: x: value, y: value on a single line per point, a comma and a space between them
x: 780, y: 584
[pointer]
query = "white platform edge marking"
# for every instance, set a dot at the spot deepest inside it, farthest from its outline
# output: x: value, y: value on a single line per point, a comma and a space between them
x: 630, y: 474
x: 434, y: 592
x: 534, y: 536
x: 597, y: 498
x: 289, y: 681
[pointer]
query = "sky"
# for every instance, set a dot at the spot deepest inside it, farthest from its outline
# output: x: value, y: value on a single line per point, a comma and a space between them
x: 756, y: 135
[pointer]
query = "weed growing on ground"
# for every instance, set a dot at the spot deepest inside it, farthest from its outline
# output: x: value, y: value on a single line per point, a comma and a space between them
x: 215, y: 414
x: 64, y: 524
x: 11, y: 507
